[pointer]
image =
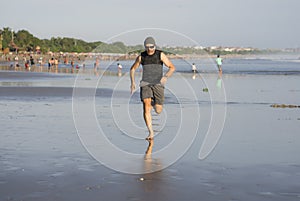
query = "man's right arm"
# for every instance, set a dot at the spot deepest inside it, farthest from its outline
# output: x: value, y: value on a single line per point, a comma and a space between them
x: 132, y: 71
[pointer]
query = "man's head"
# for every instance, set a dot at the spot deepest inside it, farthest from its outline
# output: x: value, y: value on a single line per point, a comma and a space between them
x: 149, y: 44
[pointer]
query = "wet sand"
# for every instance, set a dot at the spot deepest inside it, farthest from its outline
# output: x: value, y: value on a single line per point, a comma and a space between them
x: 42, y: 158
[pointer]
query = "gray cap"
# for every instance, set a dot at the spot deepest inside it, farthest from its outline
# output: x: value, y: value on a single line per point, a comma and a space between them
x: 149, y: 40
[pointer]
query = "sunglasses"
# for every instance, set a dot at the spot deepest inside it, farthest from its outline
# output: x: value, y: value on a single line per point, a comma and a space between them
x: 150, y: 47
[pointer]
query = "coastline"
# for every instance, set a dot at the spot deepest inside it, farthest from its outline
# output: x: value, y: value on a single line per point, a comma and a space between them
x: 66, y: 58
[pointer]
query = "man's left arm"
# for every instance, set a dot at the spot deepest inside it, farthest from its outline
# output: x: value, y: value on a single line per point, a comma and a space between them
x: 170, y: 65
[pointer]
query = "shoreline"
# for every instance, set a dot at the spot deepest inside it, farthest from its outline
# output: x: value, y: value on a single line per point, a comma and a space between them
x: 77, y: 57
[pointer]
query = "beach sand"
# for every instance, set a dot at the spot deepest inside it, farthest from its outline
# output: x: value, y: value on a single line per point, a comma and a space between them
x: 42, y: 157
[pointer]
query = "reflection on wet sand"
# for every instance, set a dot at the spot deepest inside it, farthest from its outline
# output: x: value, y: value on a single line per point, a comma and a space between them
x: 151, y: 165
x: 40, y: 69
x: 151, y: 179
x: 148, y: 157
x: 62, y: 70
x: 219, y: 81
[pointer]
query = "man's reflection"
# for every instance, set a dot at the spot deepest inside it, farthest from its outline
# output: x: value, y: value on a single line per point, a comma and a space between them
x: 152, y: 176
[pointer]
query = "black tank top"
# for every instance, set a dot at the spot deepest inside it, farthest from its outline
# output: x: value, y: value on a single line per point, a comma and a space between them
x: 152, y: 67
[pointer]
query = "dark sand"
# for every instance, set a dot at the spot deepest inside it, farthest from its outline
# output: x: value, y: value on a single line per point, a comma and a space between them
x: 42, y: 158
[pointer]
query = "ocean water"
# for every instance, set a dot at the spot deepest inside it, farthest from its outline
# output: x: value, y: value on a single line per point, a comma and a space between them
x: 269, y: 64
x: 287, y: 64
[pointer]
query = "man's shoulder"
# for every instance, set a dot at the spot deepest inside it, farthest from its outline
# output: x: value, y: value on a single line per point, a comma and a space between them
x: 144, y: 53
x: 159, y: 51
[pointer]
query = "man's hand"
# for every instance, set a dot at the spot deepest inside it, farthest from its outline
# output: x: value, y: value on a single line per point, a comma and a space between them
x: 132, y: 88
x: 163, y: 80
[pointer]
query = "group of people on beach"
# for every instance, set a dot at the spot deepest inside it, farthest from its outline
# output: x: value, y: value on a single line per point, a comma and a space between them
x: 28, y: 63
x: 53, y: 62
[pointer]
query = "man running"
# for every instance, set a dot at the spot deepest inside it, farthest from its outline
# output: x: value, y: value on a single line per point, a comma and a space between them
x: 153, y: 80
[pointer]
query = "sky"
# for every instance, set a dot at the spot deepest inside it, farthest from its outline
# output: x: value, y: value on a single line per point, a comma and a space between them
x: 238, y: 23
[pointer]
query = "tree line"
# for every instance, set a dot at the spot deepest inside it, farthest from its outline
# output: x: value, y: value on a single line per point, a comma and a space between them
x: 23, y: 40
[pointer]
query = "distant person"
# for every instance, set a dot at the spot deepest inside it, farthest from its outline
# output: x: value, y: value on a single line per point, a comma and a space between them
x: 41, y: 63
x: 51, y: 63
x: 27, y: 66
x: 66, y: 61
x: 72, y: 66
x: 97, y: 63
x: 219, y: 62
x: 153, y: 80
x: 72, y: 63
x: 16, y: 62
x: 96, y: 67
x: 31, y: 61
x: 194, y: 68
x: 56, y: 63
x: 119, y: 69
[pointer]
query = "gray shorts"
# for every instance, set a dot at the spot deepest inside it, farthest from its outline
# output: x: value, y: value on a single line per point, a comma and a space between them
x: 156, y: 92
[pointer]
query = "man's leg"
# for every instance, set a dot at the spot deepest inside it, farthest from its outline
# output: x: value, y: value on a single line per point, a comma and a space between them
x: 159, y: 97
x: 147, y: 116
